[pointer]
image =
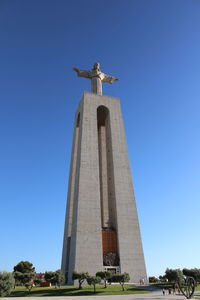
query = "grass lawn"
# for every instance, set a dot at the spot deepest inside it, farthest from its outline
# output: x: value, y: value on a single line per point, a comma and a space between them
x: 197, y: 288
x: 114, y: 289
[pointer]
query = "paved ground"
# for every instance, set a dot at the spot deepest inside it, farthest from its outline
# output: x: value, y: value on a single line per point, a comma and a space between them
x: 149, y: 296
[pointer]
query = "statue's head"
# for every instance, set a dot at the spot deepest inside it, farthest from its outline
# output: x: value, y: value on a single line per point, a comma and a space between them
x: 96, y: 66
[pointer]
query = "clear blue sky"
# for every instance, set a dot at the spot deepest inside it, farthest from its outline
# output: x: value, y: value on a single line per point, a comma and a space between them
x: 154, y: 48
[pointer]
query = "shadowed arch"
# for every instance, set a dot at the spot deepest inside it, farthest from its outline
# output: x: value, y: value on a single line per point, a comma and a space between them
x: 107, y: 186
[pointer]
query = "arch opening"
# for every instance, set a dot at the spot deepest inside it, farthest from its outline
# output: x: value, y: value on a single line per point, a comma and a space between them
x: 107, y: 188
x: 78, y: 120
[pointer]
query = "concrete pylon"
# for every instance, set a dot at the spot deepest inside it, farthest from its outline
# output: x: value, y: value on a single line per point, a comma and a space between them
x: 101, y: 228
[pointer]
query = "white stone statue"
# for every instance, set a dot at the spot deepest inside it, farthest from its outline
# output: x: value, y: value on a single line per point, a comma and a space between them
x: 96, y: 76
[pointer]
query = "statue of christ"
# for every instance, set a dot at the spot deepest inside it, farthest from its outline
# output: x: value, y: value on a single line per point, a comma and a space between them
x: 96, y: 76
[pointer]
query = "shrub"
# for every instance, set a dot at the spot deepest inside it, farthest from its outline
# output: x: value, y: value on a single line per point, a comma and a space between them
x: 80, y: 277
x: 6, y: 283
x: 104, y: 275
x: 93, y: 280
x: 121, y: 278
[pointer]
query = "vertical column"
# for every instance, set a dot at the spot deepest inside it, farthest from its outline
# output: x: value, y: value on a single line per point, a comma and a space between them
x: 108, y: 210
x: 70, y: 200
x: 110, y: 170
x: 86, y: 244
x: 129, y: 238
x: 103, y: 176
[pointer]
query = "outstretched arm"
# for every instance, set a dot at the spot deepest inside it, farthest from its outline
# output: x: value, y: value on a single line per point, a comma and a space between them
x: 109, y: 79
x: 82, y: 73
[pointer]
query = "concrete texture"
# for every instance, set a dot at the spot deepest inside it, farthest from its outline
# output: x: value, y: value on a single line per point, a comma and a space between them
x: 100, y: 192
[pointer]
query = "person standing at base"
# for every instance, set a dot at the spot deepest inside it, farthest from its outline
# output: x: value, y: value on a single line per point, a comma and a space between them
x: 163, y: 291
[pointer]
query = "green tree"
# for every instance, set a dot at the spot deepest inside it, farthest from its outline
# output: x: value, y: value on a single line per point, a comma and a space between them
x: 80, y: 277
x: 24, y: 274
x: 104, y: 275
x: 37, y: 282
x: 153, y: 279
x: 17, y: 277
x: 6, y: 283
x: 59, y: 278
x: 162, y: 278
x: 195, y: 273
x: 49, y: 276
x: 172, y: 274
x: 121, y: 278
x: 24, y: 267
x: 28, y: 280
x: 93, y: 280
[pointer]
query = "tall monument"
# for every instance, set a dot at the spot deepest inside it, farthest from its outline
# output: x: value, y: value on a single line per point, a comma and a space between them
x: 101, y: 228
